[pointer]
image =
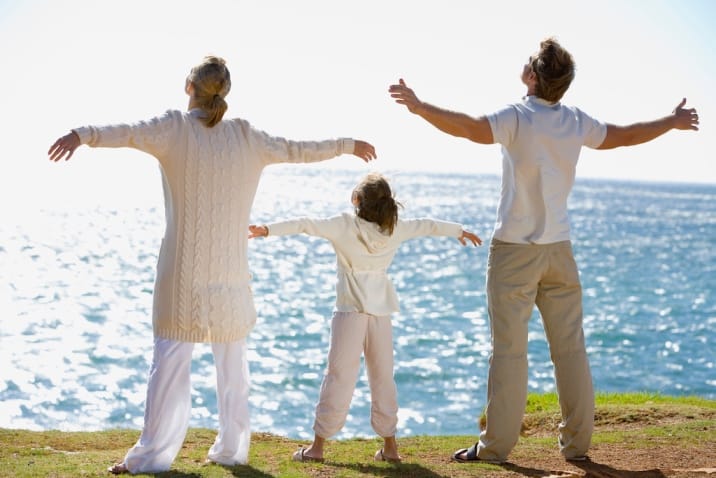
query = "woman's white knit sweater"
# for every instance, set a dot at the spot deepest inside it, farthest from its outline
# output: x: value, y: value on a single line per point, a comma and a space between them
x: 210, y: 176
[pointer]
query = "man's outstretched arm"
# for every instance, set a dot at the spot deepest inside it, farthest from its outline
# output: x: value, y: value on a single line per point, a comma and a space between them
x: 450, y: 122
x: 637, y: 133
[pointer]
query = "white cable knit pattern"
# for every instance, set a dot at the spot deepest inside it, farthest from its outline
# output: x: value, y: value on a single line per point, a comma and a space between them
x: 198, y: 280
x: 219, y: 294
x: 210, y: 176
x: 187, y: 244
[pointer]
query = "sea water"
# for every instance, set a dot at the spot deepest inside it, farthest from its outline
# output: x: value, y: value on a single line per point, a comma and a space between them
x: 76, y: 295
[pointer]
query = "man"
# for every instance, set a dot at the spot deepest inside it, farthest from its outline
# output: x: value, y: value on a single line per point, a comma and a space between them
x: 531, y: 261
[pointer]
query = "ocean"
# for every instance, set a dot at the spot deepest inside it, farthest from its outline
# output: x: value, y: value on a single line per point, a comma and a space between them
x: 76, y: 296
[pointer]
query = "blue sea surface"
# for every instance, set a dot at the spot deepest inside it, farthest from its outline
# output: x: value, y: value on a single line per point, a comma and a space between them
x: 75, y: 292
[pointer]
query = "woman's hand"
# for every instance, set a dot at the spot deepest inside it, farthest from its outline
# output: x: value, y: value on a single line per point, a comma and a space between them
x: 66, y: 145
x: 476, y: 241
x: 257, y: 231
x: 363, y: 150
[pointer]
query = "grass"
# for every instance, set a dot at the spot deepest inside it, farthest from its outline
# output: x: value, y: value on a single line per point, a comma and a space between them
x: 635, y: 423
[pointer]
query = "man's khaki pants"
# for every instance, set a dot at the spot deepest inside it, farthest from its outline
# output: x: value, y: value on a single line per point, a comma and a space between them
x: 354, y: 334
x: 520, y: 276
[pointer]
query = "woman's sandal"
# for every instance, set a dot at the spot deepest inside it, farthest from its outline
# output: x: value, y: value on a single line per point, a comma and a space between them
x: 118, y: 469
x: 380, y: 456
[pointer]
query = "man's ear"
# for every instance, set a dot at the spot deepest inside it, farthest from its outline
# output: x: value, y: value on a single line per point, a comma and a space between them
x: 532, y: 77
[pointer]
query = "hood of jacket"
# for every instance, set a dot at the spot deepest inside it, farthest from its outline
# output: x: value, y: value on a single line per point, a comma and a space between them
x: 371, y: 236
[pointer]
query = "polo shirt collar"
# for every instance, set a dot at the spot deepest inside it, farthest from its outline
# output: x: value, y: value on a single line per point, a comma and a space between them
x: 540, y: 101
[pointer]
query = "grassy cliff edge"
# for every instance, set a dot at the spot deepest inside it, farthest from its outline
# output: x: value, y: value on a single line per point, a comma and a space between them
x: 637, y: 435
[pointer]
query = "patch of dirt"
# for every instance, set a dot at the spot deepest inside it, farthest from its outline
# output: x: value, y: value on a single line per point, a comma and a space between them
x: 620, y: 418
x: 663, y: 455
x: 618, y: 460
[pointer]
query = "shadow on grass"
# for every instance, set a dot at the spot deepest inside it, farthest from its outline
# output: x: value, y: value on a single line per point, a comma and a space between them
x: 238, y: 470
x: 248, y: 471
x: 172, y: 474
x: 598, y: 470
x: 591, y: 469
x: 398, y: 471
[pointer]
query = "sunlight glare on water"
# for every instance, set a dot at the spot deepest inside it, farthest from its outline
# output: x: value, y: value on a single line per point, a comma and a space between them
x: 76, y: 292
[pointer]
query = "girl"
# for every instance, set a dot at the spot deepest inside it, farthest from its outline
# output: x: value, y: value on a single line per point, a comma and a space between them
x: 365, y: 244
x: 210, y: 171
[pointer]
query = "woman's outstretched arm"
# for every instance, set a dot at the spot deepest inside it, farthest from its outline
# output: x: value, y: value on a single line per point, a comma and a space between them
x: 64, y: 146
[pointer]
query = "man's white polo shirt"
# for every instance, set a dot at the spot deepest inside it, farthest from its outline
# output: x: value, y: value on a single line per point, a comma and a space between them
x: 541, y: 142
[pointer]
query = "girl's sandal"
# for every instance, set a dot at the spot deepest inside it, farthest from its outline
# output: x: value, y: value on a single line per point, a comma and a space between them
x: 380, y: 456
x: 300, y: 455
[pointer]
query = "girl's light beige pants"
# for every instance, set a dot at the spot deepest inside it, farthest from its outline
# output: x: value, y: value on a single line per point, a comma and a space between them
x: 354, y: 334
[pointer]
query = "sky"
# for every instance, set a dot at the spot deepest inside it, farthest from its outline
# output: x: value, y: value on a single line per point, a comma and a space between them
x: 317, y: 69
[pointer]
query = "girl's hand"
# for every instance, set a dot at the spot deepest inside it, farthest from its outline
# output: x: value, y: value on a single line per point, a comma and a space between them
x: 476, y: 241
x: 66, y: 145
x: 257, y: 231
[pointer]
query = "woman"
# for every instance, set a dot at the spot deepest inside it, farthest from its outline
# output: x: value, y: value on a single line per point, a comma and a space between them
x: 210, y: 172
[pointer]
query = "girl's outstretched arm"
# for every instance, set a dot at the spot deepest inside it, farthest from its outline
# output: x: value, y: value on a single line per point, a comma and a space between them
x: 476, y: 241
x: 257, y: 231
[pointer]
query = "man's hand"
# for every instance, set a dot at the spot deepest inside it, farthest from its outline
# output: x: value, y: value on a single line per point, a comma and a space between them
x: 405, y: 96
x: 364, y: 150
x: 685, y: 118
x: 66, y: 145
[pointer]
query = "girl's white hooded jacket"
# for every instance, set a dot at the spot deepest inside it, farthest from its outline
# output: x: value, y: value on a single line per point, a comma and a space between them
x: 363, y: 255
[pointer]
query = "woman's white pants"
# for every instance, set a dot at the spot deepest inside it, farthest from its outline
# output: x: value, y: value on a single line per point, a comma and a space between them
x: 168, y: 406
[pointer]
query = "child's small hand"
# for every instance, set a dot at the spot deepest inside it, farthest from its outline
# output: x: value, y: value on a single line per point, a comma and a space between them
x: 257, y: 231
x: 476, y: 241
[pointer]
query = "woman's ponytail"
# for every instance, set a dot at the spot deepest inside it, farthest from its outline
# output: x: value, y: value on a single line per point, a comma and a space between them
x: 212, y: 82
x: 215, y: 110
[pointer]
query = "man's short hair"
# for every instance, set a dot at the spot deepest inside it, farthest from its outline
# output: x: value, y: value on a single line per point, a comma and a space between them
x: 554, y: 68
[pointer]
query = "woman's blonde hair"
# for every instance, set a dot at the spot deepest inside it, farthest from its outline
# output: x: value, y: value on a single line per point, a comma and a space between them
x: 375, y: 202
x: 212, y: 82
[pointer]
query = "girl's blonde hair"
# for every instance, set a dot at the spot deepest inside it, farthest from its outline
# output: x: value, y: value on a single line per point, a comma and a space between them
x: 375, y: 202
x: 212, y: 82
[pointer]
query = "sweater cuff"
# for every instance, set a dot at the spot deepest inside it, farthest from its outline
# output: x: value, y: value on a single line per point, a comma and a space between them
x: 347, y: 146
x: 457, y: 230
x: 84, y: 133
